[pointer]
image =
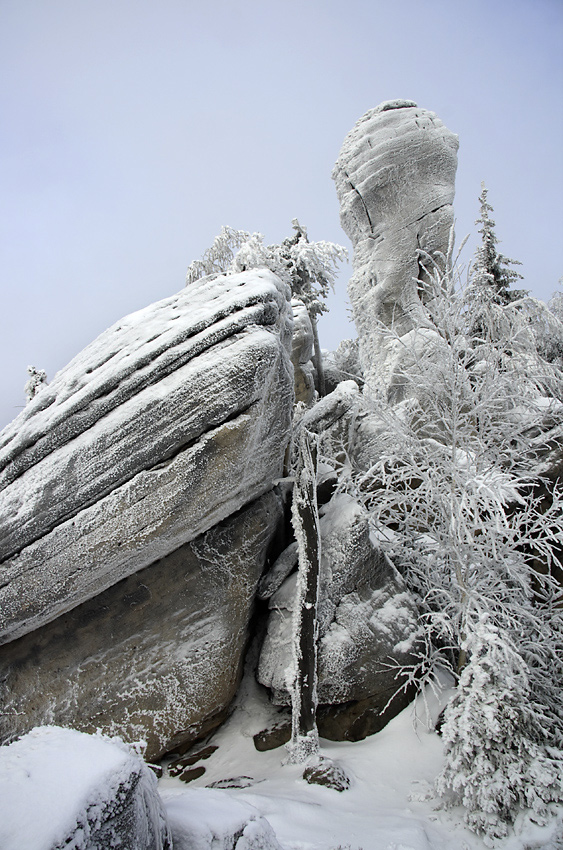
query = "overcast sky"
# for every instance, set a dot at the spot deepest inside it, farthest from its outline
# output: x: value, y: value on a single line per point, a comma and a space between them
x: 132, y: 130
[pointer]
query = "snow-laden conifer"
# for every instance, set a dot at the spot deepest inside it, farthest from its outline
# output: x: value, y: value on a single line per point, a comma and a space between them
x: 37, y: 379
x: 499, y: 760
x: 492, y: 275
x: 458, y: 495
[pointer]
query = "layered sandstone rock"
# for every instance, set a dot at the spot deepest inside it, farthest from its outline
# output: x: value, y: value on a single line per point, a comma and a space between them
x: 158, y: 655
x: 168, y: 423
x: 395, y: 179
x: 137, y: 510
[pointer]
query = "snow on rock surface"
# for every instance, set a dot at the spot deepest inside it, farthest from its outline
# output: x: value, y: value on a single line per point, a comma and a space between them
x: 87, y: 499
x: 62, y: 789
x: 395, y: 179
x: 367, y: 621
x: 158, y: 655
x: 205, y: 819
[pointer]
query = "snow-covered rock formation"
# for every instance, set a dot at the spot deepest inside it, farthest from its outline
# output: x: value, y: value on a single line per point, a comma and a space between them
x: 395, y: 179
x: 137, y: 510
x: 166, y: 424
x: 62, y: 789
x: 205, y: 819
x: 138, y: 496
x: 158, y: 655
x: 368, y: 627
x: 302, y: 353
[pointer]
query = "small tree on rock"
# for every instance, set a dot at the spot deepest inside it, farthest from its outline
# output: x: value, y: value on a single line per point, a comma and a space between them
x: 312, y: 267
x: 37, y: 379
x: 309, y: 268
x: 491, y: 273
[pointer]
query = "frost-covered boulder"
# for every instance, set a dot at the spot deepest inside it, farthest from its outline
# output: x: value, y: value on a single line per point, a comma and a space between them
x: 368, y: 627
x: 157, y: 656
x: 62, y: 789
x: 395, y: 179
x: 206, y: 819
x: 168, y: 423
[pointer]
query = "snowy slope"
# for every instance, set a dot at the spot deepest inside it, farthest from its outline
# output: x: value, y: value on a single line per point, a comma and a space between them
x: 384, y: 809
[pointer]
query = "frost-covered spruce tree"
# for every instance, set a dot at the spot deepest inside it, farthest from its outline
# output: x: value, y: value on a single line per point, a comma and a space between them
x: 491, y: 275
x: 218, y: 258
x: 555, y: 303
x: 456, y: 497
x: 548, y: 327
x: 498, y: 757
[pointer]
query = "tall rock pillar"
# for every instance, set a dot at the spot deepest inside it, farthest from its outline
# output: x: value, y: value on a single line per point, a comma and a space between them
x: 395, y: 179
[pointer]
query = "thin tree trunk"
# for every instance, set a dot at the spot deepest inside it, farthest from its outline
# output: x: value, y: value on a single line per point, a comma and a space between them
x: 305, y: 519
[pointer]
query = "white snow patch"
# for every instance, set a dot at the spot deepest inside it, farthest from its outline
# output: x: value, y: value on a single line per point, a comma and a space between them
x: 54, y: 780
x: 205, y: 819
x: 387, y: 807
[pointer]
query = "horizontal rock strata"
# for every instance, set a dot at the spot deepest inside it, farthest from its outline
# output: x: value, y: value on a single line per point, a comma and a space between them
x: 158, y: 655
x: 395, y: 179
x: 168, y: 423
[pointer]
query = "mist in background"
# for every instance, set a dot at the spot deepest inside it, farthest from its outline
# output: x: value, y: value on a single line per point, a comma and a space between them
x: 132, y: 130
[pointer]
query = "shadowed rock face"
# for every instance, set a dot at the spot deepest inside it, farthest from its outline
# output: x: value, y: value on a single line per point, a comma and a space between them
x: 395, y: 179
x: 368, y: 628
x: 158, y: 655
x: 168, y: 423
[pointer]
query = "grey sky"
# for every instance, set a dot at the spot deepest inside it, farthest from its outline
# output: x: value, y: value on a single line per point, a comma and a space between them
x: 131, y: 130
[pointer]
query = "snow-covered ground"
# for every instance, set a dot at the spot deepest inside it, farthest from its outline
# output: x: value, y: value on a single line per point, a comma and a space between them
x: 59, y: 786
x: 387, y: 807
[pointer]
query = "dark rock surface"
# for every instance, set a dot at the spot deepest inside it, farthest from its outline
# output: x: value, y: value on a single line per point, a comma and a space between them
x: 368, y: 627
x: 155, y: 657
x: 326, y: 772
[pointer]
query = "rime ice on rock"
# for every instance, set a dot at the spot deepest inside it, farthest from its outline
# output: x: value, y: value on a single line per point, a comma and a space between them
x: 169, y: 422
x: 395, y: 179
x: 158, y: 655
x: 367, y: 622
x: 136, y: 510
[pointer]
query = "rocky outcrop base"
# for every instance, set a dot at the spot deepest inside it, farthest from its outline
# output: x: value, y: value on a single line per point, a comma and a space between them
x: 155, y: 657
